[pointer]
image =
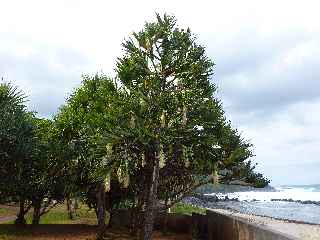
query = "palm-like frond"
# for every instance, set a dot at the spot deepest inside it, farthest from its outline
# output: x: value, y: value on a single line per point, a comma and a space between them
x: 11, y: 96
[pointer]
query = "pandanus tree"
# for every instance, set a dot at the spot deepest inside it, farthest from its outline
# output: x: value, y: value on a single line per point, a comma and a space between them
x: 177, y: 135
x: 31, y: 171
x: 166, y: 76
x: 50, y: 173
x: 156, y: 131
x: 83, y: 123
x: 234, y: 166
x: 16, y: 146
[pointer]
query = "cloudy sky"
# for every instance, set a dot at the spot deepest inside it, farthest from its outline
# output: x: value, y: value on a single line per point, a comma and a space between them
x: 266, y: 54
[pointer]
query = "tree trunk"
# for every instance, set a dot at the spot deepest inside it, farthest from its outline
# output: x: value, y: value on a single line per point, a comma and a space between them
x: 70, y: 208
x: 150, y: 201
x: 110, y: 219
x: 101, y: 209
x: 137, y: 214
x: 165, y: 223
x: 36, y: 212
x: 166, y: 216
x: 20, y: 216
x: 108, y: 206
x: 76, y: 205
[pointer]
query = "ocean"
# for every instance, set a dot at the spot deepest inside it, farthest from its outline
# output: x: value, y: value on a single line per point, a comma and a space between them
x: 295, y: 203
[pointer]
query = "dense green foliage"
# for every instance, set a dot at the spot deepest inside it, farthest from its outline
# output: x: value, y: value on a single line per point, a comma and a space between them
x: 16, y: 142
x: 31, y: 171
x: 187, y: 209
x: 143, y: 140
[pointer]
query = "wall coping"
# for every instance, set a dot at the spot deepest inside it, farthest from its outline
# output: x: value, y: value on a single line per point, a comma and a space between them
x: 284, y: 236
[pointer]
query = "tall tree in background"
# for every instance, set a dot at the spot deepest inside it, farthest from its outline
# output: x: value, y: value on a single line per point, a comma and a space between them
x: 49, y: 180
x: 31, y: 171
x: 16, y: 146
x: 83, y: 122
x: 166, y: 76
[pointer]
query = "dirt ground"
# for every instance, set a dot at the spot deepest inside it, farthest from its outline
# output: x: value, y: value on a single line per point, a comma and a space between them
x: 47, y: 232
x: 72, y: 232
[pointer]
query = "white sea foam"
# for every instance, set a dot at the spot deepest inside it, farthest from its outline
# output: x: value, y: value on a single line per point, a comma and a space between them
x: 259, y: 202
x: 293, y: 193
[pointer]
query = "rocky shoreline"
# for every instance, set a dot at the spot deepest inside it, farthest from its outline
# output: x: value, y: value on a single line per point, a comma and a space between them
x: 224, y: 198
x: 296, y: 201
x: 295, y: 211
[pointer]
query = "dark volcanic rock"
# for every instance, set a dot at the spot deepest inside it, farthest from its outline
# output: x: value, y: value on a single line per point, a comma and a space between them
x: 296, y: 201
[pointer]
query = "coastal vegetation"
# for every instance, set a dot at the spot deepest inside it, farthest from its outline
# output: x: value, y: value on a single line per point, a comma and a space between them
x: 143, y: 140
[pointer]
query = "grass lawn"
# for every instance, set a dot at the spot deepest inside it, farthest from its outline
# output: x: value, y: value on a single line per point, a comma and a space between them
x: 53, y: 225
x: 59, y: 215
x: 7, y: 211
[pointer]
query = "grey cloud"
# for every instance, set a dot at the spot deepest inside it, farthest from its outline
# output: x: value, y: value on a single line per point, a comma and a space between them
x: 308, y: 140
x: 47, y: 78
x: 303, y: 173
x: 252, y: 75
x: 246, y: 50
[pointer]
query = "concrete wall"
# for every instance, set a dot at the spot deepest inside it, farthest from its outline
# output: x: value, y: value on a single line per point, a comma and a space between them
x: 178, y: 223
x: 121, y: 219
x: 226, y: 227
x: 212, y: 226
